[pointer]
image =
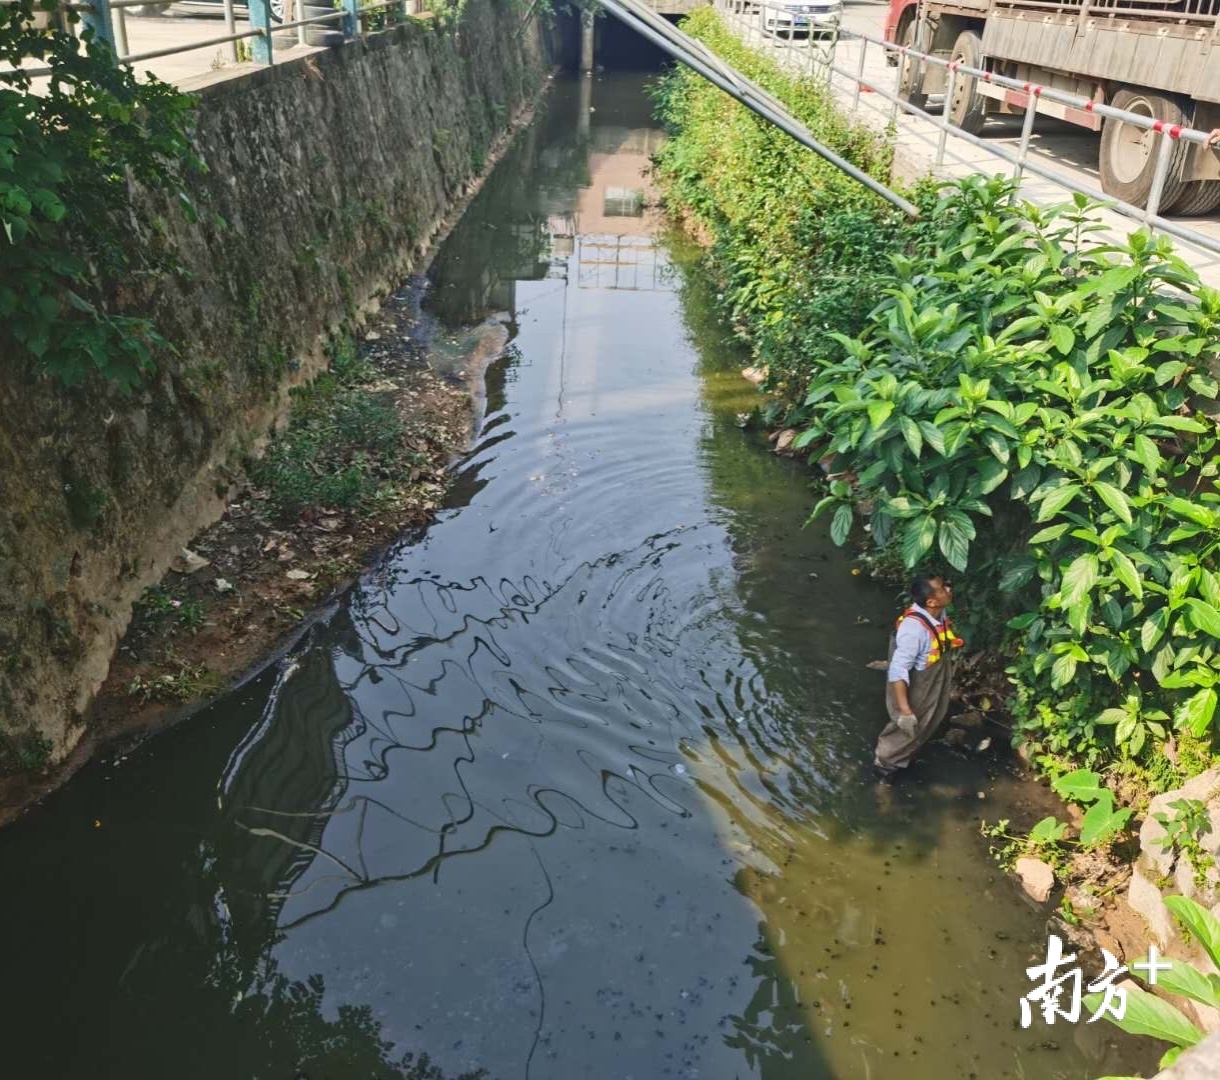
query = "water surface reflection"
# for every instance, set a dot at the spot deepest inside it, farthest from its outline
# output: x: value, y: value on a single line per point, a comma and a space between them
x: 571, y: 786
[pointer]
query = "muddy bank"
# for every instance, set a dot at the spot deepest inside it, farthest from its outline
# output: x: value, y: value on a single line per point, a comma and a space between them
x: 247, y: 587
x: 327, y: 179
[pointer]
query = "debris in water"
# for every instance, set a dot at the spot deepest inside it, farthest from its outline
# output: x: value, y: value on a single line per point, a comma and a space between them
x: 223, y: 586
x: 878, y: 665
x: 298, y: 575
x: 983, y: 745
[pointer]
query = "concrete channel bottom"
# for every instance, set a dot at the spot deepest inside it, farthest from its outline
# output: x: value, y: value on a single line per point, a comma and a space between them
x: 1064, y: 147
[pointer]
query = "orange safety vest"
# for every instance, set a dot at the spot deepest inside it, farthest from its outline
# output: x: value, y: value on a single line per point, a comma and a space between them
x: 943, y: 638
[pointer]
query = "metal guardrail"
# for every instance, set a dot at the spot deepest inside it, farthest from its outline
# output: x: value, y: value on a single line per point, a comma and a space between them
x: 702, y: 60
x: 1021, y: 161
x: 108, y: 21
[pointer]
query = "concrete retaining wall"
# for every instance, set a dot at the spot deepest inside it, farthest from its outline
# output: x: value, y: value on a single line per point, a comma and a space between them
x: 326, y: 179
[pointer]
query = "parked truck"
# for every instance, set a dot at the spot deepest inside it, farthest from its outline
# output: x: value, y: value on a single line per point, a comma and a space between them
x: 1157, y: 58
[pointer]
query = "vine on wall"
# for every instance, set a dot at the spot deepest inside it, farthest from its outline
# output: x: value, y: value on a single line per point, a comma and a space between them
x: 71, y: 147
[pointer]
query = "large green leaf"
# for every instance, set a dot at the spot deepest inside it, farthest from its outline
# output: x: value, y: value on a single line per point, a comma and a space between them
x: 991, y: 474
x: 1056, y: 499
x: 1197, y: 711
x: 1205, y: 617
x: 1124, y: 570
x: 1102, y: 821
x: 954, y: 543
x: 917, y: 539
x: 1204, y: 927
x: 1081, y: 786
x: 912, y: 434
x: 1051, y: 532
x: 1062, y: 338
x: 1079, y: 578
x: 933, y: 436
x: 997, y: 444
x: 1020, y: 573
x: 1063, y: 671
x: 1114, y: 499
x: 1182, y: 978
x: 1147, y: 454
x: 879, y: 413
x: 1153, y: 629
x: 1149, y: 1015
x: 1048, y: 830
x: 840, y: 524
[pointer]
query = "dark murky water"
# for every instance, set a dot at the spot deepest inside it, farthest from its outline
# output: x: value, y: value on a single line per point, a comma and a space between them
x: 573, y: 787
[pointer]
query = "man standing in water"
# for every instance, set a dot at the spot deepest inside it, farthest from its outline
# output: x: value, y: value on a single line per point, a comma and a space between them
x: 920, y: 675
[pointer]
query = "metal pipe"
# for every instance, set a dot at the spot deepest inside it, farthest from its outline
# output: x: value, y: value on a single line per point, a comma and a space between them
x: 301, y: 27
x: 1126, y: 209
x: 1074, y: 101
x: 855, y: 98
x: 231, y: 27
x: 140, y: 3
x: 120, y: 31
x: 1159, y: 175
x: 897, y: 87
x: 329, y: 17
x: 1027, y: 129
x: 625, y: 10
x: 224, y: 39
x: 946, y: 112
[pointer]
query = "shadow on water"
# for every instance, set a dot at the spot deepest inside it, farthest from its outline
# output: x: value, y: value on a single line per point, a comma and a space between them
x: 572, y: 785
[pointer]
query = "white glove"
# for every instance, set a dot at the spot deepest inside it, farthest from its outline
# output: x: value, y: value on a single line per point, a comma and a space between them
x: 907, y: 723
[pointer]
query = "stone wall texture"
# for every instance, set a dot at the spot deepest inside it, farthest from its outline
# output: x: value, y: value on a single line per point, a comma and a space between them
x: 327, y: 179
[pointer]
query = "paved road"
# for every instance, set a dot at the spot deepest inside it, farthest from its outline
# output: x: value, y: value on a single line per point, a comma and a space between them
x: 177, y: 27
x: 1068, y: 149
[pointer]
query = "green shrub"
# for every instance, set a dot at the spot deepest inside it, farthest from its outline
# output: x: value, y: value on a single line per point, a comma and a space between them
x: 340, y: 447
x: 68, y: 154
x: 795, y: 244
x: 999, y: 391
x: 1023, y: 403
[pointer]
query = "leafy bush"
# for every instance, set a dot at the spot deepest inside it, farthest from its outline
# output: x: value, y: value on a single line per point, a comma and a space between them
x: 1024, y: 403
x: 795, y: 244
x: 68, y: 155
x: 1149, y: 1015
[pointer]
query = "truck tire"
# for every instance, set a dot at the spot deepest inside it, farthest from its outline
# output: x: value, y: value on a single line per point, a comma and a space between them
x: 968, y: 109
x: 1198, y: 197
x: 1128, y: 154
x: 910, y: 86
x: 900, y: 35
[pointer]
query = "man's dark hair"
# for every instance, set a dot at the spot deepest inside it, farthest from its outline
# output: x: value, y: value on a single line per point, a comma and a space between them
x: 923, y: 586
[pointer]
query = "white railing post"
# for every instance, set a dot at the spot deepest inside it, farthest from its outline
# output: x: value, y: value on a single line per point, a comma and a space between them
x: 855, y: 97
x: 1153, y: 206
x: 231, y: 28
x: 119, y: 17
x: 902, y: 56
x: 1027, y: 129
x: 946, y: 114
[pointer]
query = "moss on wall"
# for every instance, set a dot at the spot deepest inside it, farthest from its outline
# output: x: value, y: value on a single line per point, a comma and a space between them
x: 326, y: 178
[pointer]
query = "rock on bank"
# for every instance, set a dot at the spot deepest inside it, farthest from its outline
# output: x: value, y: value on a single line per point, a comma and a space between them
x: 326, y: 180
